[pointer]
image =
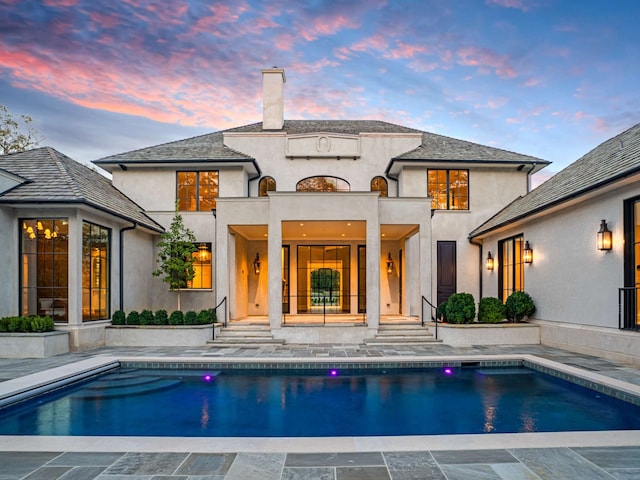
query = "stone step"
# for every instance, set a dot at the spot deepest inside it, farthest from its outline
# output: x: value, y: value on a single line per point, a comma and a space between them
x: 414, y: 342
x: 243, y: 333
x: 245, y: 341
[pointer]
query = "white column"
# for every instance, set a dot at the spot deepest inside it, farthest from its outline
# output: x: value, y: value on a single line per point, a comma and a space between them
x: 373, y: 273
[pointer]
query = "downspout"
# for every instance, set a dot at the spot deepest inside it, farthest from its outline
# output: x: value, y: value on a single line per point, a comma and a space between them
x: 122, y: 230
x: 479, y: 245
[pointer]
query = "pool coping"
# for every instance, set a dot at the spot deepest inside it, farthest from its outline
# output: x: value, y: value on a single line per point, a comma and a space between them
x: 33, y: 383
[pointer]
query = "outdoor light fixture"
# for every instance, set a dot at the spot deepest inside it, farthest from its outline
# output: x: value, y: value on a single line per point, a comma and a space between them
x: 605, y: 237
x: 489, y: 261
x: 389, y: 263
x: 256, y: 264
x: 527, y: 253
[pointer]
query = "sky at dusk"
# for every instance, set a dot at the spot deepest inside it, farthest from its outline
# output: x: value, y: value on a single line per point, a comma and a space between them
x: 548, y: 78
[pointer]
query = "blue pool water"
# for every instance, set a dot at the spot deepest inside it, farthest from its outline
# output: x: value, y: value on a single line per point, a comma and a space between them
x: 318, y: 403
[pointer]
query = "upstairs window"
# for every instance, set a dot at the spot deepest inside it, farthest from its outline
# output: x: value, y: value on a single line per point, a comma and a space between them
x: 197, y: 191
x: 448, y: 189
x: 323, y: 184
x: 379, y: 184
x: 267, y: 184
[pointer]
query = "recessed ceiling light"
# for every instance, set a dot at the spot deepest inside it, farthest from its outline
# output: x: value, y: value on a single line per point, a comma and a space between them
x: 304, y: 234
x: 265, y: 235
x: 384, y: 235
x: 343, y: 234
x: 302, y: 224
x: 348, y: 224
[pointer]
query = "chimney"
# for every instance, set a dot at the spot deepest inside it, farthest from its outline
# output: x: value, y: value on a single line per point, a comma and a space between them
x: 273, y: 81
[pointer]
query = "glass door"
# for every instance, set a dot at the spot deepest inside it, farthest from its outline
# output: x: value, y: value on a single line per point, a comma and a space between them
x: 323, y: 279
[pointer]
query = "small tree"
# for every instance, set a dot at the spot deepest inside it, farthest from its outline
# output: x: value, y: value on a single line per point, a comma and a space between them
x: 16, y: 135
x: 175, y: 255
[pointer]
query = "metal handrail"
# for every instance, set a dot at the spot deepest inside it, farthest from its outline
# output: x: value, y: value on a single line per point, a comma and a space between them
x: 434, y: 318
x: 224, y: 300
x: 325, y: 301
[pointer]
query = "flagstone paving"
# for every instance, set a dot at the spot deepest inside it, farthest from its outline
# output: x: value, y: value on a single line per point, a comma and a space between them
x: 572, y: 463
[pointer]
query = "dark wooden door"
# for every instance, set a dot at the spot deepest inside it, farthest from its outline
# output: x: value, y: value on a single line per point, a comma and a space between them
x: 446, y: 270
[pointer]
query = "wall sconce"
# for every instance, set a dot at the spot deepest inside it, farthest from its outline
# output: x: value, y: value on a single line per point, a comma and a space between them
x: 527, y: 253
x: 256, y: 264
x: 390, y: 263
x: 489, y: 261
x: 605, y: 237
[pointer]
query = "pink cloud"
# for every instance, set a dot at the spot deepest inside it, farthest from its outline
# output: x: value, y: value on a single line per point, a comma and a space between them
x: 486, y: 60
x: 405, y: 50
x: 325, y: 25
x: 518, y: 4
x: 532, y: 82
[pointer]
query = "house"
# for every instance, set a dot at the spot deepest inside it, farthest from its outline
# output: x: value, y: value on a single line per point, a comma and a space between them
x: 324, y: 230
x: 581, y: 229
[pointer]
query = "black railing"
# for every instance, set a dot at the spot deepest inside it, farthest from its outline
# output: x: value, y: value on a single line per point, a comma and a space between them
x: 628, y: 318
x: 224, y: 318
x: 324, y: 306
x: 434, y: 314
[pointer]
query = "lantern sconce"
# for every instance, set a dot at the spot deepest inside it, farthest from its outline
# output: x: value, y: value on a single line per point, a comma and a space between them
x: 489, y: 261
x: 256, y: 264
x: 390, y: 264
x: 527, y: 253
x: 605, y: 237
x: 203, y: 253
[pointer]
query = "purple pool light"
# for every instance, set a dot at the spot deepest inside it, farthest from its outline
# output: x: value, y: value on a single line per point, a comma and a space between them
x: 448, y: 371
x: 333, y: 373
x: 207, y: 378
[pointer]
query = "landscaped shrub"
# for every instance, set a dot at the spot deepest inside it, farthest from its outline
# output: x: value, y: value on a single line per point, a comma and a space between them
x: 42, y: 324
x: 146, y: 317
x: 32, y: 323
x: 204, y: 317
x: 190, y: 318
x: 133, y: 318
x: 176, y: 318
x: 118, y: 318
x: 161, y: 317
x: 441, y: 311
x: 461, y: 308
x: 491, y: 310
x: 519, y: 305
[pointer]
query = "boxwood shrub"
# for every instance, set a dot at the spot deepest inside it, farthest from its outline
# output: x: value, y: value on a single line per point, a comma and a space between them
x: 491, y: 310
x: 190, y: 318
x: 519, y: 305
x: 28, y: 324
x: 118, y: 318
x: 461, y: 308
x: 204, y: 317
x: 133, y: 318
x: 176, y: 318
x: 161, y: 317
x: 146, y: 317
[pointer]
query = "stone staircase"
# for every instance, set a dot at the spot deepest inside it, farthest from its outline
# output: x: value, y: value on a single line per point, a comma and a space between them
x: 245, y: 336
x: 402, y: 335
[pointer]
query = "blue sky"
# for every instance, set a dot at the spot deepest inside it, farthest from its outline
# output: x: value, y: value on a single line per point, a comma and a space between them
x: 549, y: 78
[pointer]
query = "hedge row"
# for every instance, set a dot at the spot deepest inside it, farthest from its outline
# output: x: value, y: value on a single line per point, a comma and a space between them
x: 461, y: 308
x: 160, y: 317
x: 31, y: 324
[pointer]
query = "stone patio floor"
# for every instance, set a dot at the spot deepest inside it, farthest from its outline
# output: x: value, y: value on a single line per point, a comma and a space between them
x: 575, y: 462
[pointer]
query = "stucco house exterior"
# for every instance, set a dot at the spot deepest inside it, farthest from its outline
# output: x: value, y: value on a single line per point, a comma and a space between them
x: 342, y: 225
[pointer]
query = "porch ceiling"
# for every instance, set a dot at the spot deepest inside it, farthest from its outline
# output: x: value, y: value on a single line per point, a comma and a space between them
x: 325, y: 230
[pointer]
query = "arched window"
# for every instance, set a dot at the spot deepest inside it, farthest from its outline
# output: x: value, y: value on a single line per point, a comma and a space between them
x: 379, y: 184
x: 267, y: 184
x: 323, y: 184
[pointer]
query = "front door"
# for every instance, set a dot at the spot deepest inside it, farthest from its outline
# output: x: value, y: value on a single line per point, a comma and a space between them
x: 323, y: 279
x: 446, y: 264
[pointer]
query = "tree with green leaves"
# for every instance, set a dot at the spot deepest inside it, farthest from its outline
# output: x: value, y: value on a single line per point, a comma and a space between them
x: 175, y: 255
x: 16, y: 135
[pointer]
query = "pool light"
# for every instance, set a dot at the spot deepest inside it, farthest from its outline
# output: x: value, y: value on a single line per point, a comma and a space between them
x: 333, y: 373
x: 448, y: 371
x: 207, y: 378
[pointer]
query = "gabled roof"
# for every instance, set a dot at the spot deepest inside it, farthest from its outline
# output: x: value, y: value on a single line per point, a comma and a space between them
x: 203, y: 148
x: 348, y: 127
x: 610, y: 161
x: 439, y: 148
x: 57, y: 179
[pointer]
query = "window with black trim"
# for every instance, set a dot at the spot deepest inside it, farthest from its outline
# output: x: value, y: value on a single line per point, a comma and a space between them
x: 96, y: 243
x: 511, y: 273
x: 197, y: 191
x: 267, y: 184
x: 379, y: 184
x: 448, y: 189
x: 323, y: 184
x: 202, y: 267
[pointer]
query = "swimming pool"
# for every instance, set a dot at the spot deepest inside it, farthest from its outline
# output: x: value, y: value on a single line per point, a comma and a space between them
x: 321, y: 401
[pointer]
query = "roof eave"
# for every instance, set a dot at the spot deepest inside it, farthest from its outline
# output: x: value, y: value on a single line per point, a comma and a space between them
x: 537, y: 164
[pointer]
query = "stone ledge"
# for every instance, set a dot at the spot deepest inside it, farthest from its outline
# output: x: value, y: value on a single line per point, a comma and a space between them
x: 158, y: 335
x: 33, y: 345
x: 465, y: 335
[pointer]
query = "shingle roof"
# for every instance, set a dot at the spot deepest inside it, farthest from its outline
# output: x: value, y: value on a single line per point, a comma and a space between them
x: 614, y: 159
x: 349, y: 127
x: 207, y: 147
x: 441, y: 148
x: 55, y: 178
